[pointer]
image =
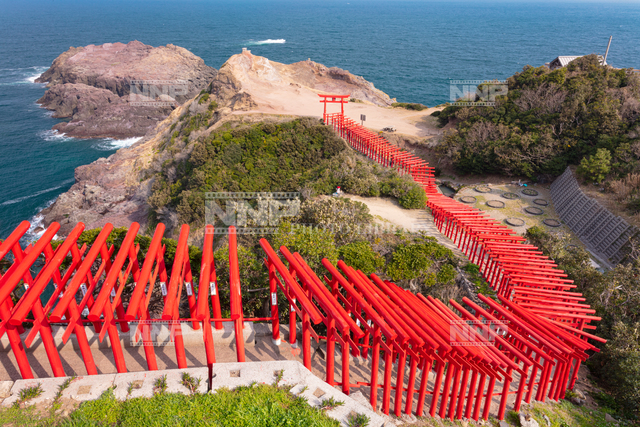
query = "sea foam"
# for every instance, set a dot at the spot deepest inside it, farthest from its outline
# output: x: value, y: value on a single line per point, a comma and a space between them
x: 108, y: 144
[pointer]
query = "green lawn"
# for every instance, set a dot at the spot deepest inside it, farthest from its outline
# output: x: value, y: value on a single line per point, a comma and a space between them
x: 258, y: 406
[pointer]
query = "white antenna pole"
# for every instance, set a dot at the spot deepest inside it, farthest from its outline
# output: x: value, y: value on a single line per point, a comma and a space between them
x: 607, y: 52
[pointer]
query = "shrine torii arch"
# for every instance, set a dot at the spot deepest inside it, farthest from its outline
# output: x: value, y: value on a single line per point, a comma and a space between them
x: 333, y: 99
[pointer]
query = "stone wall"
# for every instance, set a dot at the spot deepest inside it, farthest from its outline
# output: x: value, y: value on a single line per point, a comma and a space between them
x: 604, y: 234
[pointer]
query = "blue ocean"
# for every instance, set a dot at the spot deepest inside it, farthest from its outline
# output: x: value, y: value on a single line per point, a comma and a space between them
x: 409, y: 49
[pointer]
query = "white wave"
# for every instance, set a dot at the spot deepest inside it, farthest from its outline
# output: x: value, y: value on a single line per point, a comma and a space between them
x: 37, y: 193
x: 22, y: 75
x: 108, y: 144
x: 37, y: 221
x: 38, y: 72
x: 54, y: 135
x: 268, y: 41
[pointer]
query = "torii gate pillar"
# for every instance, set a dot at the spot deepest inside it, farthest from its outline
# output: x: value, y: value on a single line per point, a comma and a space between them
x: 333, y: 99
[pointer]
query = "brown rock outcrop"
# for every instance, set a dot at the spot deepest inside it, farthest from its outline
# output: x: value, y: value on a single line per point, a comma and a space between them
x: 92, y: 85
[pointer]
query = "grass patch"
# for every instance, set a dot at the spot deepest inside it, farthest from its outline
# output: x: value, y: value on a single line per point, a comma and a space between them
x: 476, y: 278
x: 29, y: 393
x: 257, y: 406
x: 566, y: 414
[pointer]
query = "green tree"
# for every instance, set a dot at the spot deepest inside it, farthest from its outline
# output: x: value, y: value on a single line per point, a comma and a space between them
x: 596, y: 167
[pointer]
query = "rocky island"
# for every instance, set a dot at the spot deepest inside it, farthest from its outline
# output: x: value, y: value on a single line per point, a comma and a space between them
x: 92, y: 85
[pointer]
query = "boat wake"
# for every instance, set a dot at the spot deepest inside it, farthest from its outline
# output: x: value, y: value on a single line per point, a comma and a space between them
x: 268, y: 41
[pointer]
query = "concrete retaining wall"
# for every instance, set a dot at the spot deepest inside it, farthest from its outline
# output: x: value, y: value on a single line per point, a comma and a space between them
x: 161, y: 336
x: 230, y: 375
x: 604, y: 233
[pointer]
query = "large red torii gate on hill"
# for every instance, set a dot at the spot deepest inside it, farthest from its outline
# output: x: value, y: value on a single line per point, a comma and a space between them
x: 538, y: 345
x: 333, y: 99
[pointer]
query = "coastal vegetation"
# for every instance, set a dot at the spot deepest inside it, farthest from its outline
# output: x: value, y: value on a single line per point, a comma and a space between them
x: 587, y: 115
x: 615, y: 295
x: 551, y: 119
x: 297, y: 156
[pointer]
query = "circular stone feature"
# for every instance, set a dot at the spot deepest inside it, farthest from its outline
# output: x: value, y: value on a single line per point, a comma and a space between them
x: 497, y: 204
x: 529, y: 192
x: 510, y: 196
x: 515, y: 222
x: 541, y: 202
x: 483, y: 189
x: 468, y: 199
x: 533, y: 210
x: 552, y: 222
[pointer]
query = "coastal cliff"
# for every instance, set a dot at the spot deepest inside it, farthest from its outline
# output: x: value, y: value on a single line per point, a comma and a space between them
x: 247, y: 89
x: 91, y: 85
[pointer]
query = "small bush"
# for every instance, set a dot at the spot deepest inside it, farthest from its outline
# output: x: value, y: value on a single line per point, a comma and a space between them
x: 160, y: 385
x: 190, y: 382
x: 312, y: 243
x: 409, y: 106
x: 204, y: 98
x: 414, y: 198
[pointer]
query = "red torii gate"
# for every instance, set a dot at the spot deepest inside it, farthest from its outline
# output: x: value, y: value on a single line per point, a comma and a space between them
x: 544, y: 344
x: 335, y: 99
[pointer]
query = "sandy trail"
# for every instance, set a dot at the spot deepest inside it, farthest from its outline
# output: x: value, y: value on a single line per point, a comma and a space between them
x: 388, y: 211
x: 293, y: 90
x: 304, y: 102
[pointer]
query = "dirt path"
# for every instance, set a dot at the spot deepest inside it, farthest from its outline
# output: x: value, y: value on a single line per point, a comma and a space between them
x: 388, y: 211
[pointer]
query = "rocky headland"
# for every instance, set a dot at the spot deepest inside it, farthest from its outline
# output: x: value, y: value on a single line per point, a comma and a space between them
x: 92, y: 86
x: 246, y: 89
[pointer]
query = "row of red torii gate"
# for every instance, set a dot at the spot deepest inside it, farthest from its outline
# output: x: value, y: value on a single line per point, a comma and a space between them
x: 422, y: 355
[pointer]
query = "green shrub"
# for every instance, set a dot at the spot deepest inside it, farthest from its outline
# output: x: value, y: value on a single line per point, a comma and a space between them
x: 413, y: 198
x: 421, y: 262
x: 347, y: 218
x: 293, y: 156
x: 361, y: 256
x: 313, y: 243
x: 204, y: 98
